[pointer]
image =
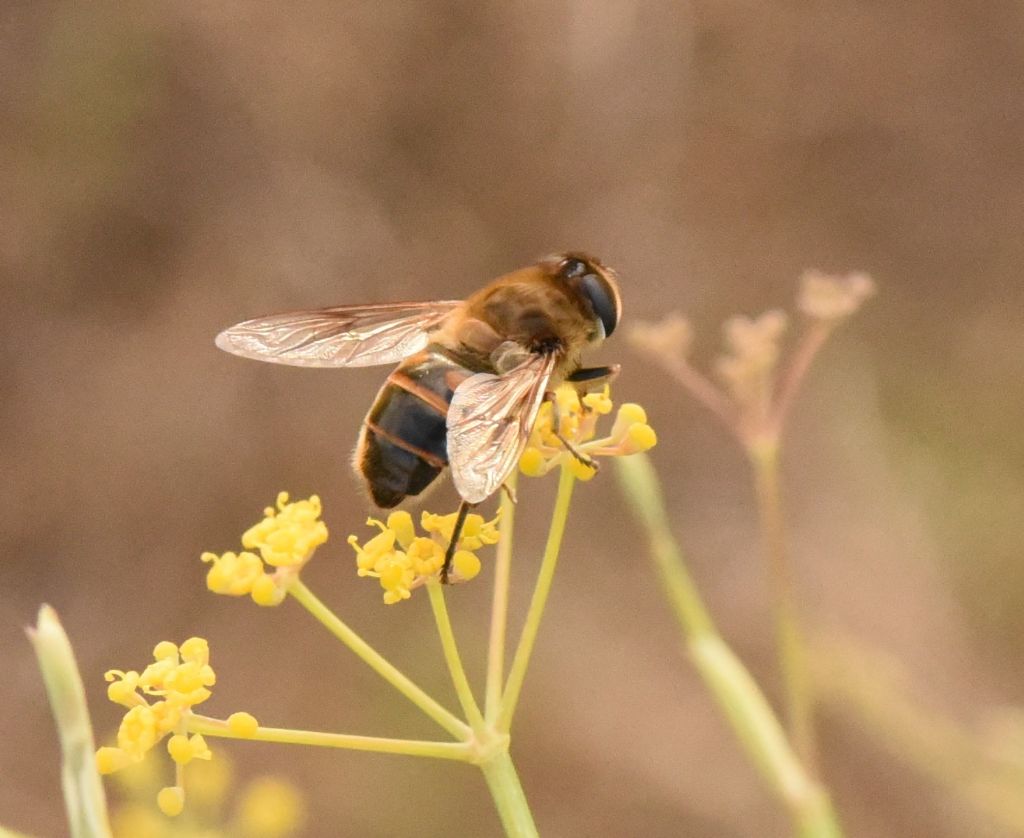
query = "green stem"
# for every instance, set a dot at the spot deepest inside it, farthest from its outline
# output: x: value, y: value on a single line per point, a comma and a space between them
x: 789, y: 639
x: 378, y: 663
x: 208, y: 726
x: 499, y: 603
x: 502, y: 780
x: 84, y: 799
x: 734, y: 690
x: 521, y: 660
x: 452, y: 657
x: 757, y: 727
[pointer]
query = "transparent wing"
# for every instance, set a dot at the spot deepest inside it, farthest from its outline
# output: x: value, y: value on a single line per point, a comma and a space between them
x: 489, y: 421
x: 344, y: 336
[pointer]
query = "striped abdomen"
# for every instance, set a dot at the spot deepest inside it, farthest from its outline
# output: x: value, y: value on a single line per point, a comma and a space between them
x: 403, y: 444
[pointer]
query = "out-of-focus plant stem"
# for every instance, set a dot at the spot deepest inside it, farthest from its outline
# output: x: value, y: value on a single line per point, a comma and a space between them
x: 83, y: 791
x: 764, y: 459
x: 872, y: 687
x: 734, y: 690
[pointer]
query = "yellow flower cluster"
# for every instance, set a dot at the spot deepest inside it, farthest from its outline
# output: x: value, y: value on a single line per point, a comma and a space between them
x: 179, y: 678
x: 402, y: 560
x: 577, y: 417
x: 285, y: 540
x: 264, y: 807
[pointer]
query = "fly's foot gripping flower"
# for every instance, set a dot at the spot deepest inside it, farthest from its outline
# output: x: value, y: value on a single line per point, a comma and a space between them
x: 284, y: 541
x: 565, y: 432
x: 160, y: 701
x: 402, y: 560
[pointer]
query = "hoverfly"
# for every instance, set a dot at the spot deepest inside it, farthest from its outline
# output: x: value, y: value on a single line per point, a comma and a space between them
x: 471, y: 374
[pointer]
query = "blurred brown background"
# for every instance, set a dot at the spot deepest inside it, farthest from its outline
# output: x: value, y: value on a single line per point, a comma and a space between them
x: 167, y: 169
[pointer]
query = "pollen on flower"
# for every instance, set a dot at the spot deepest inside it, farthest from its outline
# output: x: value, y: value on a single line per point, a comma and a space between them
x: 574, y: 444
x: 401, y: 560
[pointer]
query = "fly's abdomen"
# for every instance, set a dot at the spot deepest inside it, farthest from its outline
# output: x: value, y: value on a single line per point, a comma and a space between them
x: 403, y: 445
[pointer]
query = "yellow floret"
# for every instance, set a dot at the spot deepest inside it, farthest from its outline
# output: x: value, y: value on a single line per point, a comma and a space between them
x: 183, y: 749
x: 580, y: 470
x: 109, y: 760
x: 532, y: 463
x: 640, y: 437
x: 287, y: 536
x: 465, y: 564
x: 123, y: 688
x: 233, y: 574
x: 171, y: 800
x: 243, y: 724
x: 266, y: 591
x: 271, y: 808
x: 400, y: 523
x: 600, y: 403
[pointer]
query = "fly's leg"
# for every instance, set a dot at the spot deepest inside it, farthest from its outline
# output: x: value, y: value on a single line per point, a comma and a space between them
x: 460, y: 520
x: 589, y: 376
x: 556, y: 424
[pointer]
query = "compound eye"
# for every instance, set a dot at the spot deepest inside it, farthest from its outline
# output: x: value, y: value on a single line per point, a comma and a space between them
x: 572, y: 268
x: 604, y: 300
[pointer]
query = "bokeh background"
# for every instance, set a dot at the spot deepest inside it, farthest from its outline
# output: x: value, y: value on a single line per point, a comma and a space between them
x: 167, y: 169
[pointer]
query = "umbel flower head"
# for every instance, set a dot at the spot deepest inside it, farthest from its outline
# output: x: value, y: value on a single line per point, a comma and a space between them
x: 285, y: 539
x: 402, y: 560
x: 758, y: 381
x: 565, y: 432
x: 159, y: 701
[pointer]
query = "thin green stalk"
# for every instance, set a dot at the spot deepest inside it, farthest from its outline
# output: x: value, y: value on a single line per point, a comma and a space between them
x: 499, y: 603
x: 503, y: 781
x: 84, y: 799
x: 789, y: 639
x: 521, y: 660
x: 452, y: 657
x: 757, y: 727
x: 378, y: 663
x: 643, y: 493
x: 208, y: 726
x: 734, y: 690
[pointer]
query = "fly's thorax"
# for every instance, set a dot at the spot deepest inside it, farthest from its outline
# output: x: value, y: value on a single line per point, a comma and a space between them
x: 531, y: 309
